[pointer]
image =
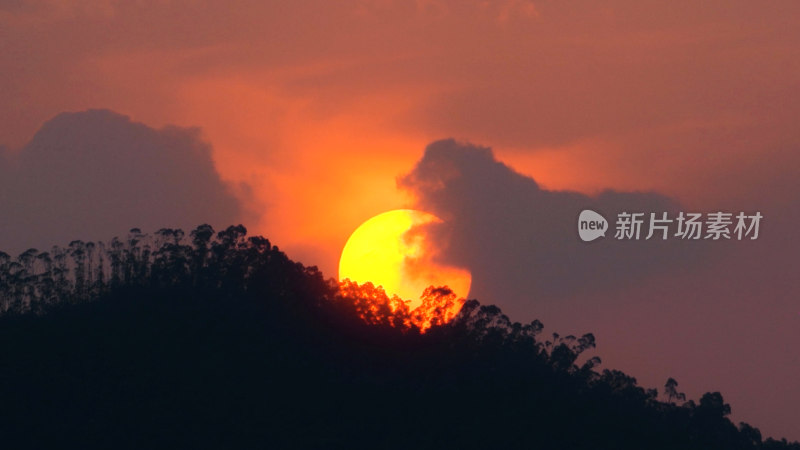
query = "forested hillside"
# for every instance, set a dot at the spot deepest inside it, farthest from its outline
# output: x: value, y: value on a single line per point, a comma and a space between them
x: 217, y: 340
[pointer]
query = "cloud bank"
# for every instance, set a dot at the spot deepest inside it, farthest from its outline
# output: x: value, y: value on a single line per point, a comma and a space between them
x: 520, y: 241
x: 96, y: 174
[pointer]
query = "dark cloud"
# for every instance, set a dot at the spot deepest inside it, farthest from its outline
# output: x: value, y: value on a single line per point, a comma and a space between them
x: 96, y: 174
x: 699, y: 311
x: 520, y: 241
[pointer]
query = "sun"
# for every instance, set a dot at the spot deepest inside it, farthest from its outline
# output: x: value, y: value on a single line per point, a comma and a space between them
x: 382, y: 251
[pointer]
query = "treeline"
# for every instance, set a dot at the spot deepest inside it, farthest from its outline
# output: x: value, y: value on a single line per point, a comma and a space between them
x: 219, y: 340
x: 35, y: 281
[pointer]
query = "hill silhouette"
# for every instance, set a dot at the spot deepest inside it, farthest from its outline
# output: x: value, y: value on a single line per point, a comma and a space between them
x: 217, y: 340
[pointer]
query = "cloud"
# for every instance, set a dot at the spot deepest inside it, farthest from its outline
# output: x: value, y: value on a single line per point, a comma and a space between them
x: 520, y: 241
x: 97, y: 174
x: 700, y: 311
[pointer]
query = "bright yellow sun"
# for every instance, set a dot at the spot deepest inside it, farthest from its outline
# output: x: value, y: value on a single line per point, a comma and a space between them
x: 382, y: 252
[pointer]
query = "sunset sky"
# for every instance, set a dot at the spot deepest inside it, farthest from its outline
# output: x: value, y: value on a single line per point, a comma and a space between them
x: 304, y: 119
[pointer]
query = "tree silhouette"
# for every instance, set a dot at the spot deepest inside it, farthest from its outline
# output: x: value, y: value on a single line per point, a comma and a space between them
x: 670, y: 390
x: 221, y: 341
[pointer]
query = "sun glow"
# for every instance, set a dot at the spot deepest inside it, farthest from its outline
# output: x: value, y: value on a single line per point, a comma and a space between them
x: 383, y: 252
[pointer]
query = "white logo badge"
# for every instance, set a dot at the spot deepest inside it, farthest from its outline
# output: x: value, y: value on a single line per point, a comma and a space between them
x: 591, y: 225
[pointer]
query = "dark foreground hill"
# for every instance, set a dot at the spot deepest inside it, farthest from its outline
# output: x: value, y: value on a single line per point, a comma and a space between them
x: 223, y: 342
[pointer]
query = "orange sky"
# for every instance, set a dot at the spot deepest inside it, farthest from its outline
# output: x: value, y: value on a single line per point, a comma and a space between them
x: 313, y: 108
x: 347, y: 95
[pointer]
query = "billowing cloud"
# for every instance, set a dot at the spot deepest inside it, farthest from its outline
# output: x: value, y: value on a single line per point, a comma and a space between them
x: 520, y: 241
x: 696, y: 310
x: 96, y: 174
